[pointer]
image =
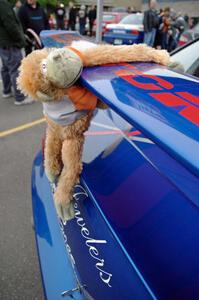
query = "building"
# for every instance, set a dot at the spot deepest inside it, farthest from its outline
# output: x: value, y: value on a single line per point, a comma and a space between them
x: 136, y: 4
x: 185, y: 7
x: 189, y: 7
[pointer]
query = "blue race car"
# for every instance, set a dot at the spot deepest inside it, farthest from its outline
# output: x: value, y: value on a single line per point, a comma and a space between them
x: 135, y: 234
x: 128, y: 31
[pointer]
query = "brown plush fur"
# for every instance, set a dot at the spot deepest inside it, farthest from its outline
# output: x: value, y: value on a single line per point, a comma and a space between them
x: 64, y: 144
x: 104, y: 54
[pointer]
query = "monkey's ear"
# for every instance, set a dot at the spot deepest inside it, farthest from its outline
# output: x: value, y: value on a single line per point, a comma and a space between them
x: 43, y: 97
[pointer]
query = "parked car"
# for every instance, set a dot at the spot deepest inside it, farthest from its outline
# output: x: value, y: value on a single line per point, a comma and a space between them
x: 109, y: 18
x: 189, y: 35
x: 128, y: 31
x: 136, y: 226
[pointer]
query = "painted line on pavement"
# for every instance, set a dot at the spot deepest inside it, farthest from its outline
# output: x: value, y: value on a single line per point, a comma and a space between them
x: 21, y: 127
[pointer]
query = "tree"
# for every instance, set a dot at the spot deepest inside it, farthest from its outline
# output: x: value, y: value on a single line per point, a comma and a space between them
x: 45, y: 3
x: 52, y: 3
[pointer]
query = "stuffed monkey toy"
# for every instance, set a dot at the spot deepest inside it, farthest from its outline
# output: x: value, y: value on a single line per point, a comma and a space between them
x: 50, y: 76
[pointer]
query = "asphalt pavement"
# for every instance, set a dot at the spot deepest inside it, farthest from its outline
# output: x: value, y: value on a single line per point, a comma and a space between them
x: 19, y: 269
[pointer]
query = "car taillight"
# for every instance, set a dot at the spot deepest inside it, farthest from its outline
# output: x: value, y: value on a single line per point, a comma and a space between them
x: 135, y: 32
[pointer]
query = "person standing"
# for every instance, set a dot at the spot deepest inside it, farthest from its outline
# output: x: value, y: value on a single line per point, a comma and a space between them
x: 32, y: 16
x: 60, y: 16
x: 17, y: 6
x: 172, y: 32
x: 165, y: 28
x: 12, y: 40
x: 150, y: 23
x: 72, y: 17
x: 82, y: 19
x: 191, y: 23
x: 92, y: 16
x: 181, y: 24
x: 158, y: 36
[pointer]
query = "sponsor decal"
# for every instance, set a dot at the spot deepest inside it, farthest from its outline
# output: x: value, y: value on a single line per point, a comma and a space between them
x: 91, y: 242
x: 186, y: 103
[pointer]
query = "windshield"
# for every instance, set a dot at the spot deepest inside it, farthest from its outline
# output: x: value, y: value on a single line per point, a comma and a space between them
x: 188, y: 57
x: 135, y: 19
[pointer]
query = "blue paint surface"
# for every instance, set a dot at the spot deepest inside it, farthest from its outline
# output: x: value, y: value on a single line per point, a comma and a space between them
x: 138, y: 207
x: 136, y: 231
x: 164, y: 125
x: 57, y: 272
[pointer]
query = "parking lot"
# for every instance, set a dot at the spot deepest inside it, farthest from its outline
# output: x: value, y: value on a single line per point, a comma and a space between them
x: 19, y: 268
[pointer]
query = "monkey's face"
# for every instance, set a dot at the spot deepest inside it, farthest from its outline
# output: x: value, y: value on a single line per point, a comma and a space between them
x: 62, y: 67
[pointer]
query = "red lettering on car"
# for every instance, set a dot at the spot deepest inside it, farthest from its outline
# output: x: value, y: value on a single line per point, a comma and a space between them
x: 131, y: 76
x: 189, y: 111
x: 190, y: 97
x: 187, y: 101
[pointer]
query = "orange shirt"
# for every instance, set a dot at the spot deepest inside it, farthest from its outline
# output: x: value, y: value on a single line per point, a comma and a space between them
x: 82, y: 98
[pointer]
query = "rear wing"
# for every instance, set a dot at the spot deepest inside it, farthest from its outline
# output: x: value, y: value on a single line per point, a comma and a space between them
x: 161, y: 103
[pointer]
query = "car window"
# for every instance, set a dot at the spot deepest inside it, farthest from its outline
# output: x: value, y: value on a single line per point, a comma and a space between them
x: 108, y: 18
x: 188, y: 57
x: 119, y: 9
x: 135, y: 19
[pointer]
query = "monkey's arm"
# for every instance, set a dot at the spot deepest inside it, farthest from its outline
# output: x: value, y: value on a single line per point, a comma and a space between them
x: 104, y: 54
